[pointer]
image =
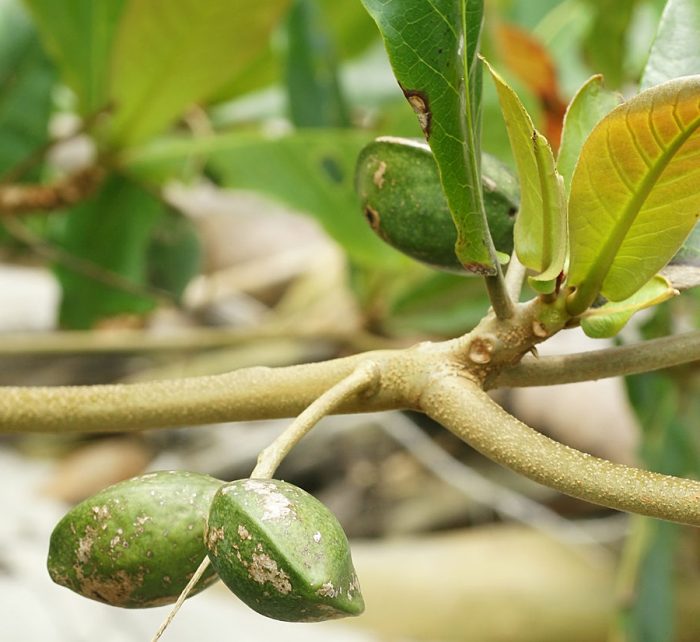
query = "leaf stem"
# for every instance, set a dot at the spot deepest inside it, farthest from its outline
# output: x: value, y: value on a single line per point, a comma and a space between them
x: 645, y: 356
x: 365, y: 377
x: 498, y: 295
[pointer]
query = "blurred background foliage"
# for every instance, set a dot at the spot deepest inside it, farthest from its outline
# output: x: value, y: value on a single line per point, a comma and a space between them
x: 216, y: 124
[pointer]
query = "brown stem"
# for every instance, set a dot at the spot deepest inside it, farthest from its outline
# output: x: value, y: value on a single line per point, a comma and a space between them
x: 22, y: 198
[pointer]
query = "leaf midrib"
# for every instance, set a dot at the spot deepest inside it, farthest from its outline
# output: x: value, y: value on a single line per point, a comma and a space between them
x: 622, y: 226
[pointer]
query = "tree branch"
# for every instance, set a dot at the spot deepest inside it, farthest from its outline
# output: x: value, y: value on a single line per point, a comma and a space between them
x: 23, y: 198
x: 459, y: 405
x: 645, y: 356
x: 247, y: 394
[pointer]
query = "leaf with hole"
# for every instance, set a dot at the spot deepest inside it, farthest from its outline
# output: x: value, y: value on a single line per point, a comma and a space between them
x: 634, y: 196
x: 310, y: 171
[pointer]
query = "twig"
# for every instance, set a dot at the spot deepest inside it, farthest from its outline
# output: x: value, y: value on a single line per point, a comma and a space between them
x: 203, y: 566
x: 20, y: 198
x: 365, y: 377
x: 82, y: 266
x: 37, y: 155
x: 645, y: 356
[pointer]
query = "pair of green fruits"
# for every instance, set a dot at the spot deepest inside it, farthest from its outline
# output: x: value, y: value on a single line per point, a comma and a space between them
x: 138, y: 543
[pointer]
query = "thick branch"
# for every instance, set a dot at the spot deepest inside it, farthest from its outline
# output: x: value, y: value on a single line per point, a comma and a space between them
x: 599, y: 364
x: 469, y: 413
x: 250, y: 393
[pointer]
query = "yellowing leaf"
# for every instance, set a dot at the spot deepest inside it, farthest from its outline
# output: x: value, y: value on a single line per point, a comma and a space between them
x: 634, y: 194
x: 607, y: 320
x: 540, y: 229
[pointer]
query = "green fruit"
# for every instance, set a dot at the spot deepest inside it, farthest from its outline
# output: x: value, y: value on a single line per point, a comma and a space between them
x: 399, y: 187
x: 282, y: 552
x: 135, y: 544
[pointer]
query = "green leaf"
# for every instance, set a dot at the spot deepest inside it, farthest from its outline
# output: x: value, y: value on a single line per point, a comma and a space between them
x: 168, y: 55
x: 540, y: 228
x: 174, y: 254
x: 634, y: 196
x: 313, y: 87
x: 433, y: 50
x: 111, y: 231
x: 310, y: 171
x: 79, y: 35
x: 439, y: 304
x: 590, y: 104
x: 676, y: 49
x: 606, y: 45
x: 607, y: 320
x: 26, y: 82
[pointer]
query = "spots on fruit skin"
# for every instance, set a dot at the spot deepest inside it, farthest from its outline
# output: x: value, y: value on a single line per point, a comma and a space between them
x: 262, y: 568
x: 276, y: 505
x: 243, y: 532
x: 378, y: 176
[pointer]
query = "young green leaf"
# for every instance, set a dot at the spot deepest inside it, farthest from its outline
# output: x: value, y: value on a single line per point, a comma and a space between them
x: 540, y: 229
x: 168, y: 55
x: 590, y: 104
x: 79, y: 35
x: 433, y: 49
x: 398, y: 183
x: 609, y: 319
x: 634, y: 196
x: 676, y: 50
